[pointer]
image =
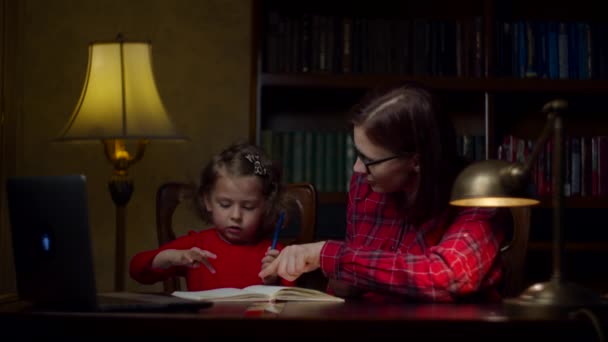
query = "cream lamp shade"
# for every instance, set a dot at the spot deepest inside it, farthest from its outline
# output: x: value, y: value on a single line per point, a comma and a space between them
x: 119, y: 102
x: 119, y: 98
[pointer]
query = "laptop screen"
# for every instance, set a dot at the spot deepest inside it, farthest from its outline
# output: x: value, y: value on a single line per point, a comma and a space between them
x: 51, y: 241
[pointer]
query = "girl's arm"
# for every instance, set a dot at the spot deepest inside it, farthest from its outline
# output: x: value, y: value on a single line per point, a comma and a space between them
x: 142, y: 270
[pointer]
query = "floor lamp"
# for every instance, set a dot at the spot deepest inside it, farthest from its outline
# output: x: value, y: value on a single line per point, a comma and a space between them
x: 120, y: 102
x: 496, y: 183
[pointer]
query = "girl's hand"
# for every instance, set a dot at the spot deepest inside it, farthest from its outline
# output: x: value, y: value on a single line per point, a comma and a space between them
x: 295, y: 260
x: 192, y: 257
x: 271, y: 255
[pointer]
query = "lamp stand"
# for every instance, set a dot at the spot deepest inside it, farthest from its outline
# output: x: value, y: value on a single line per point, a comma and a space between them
x: 121, y: 189
x: 555, y: 297
x: 119, y: 100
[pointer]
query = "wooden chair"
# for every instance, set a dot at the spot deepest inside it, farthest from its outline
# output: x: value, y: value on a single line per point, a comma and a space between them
x: 302, y: 198
x: 514, y: 252
x: 168, y: 197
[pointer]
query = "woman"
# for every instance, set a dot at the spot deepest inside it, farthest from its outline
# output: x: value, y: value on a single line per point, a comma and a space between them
x: 403, y: 239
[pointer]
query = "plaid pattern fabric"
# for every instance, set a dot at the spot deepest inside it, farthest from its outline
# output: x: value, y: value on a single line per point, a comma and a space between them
x: 436, y: 261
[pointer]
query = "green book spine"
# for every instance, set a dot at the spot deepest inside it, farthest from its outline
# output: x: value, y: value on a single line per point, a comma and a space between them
x: 287, y: 157
x: 277, y: 147
x: 330, y: 162
x: 319, y: 153
x: 309, y: 155
x: 297, y: 156
x: 350, y: 158
x: 340, y: 161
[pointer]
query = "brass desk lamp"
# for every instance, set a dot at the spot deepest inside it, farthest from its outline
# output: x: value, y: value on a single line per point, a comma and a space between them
x: 496, y: 183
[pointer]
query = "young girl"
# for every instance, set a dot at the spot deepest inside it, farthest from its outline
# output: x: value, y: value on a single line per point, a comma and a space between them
x: 241, y: 194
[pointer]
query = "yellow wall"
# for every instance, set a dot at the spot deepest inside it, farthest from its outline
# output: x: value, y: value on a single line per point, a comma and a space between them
x: 201, y: 54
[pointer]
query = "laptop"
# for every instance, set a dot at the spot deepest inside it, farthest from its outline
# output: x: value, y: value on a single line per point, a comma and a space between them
x: 52, y: 250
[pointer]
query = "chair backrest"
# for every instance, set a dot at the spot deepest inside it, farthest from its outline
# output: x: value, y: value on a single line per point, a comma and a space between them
x: 301, y: 196
x: 168, y: 197
x: 514, y: 252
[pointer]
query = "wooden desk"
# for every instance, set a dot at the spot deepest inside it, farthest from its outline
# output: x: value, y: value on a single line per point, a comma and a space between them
x: 351, y: 319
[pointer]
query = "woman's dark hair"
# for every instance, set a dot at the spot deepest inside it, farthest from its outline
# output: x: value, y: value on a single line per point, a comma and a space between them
x: 244, y: 159
x: 407, y: 118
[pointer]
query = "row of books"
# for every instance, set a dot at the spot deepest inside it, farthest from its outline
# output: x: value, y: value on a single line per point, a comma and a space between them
x: 552, y: 50
x: 585, y: 164
x: 305, y: 42
x: 326, y: 158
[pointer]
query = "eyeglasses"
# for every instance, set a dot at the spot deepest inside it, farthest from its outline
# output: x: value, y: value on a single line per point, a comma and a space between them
x: 370, y: 162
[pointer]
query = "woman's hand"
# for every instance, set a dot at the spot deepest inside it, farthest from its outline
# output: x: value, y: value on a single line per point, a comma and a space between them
x: 192, y: 257
x: 270, y: 256
x: 295, y: 260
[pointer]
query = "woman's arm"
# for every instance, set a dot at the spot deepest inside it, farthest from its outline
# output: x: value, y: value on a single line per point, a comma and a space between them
x: 294, y: 260
x: 456, y: 266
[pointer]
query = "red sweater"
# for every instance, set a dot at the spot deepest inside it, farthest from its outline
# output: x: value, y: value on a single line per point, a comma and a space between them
x: 236, y: 265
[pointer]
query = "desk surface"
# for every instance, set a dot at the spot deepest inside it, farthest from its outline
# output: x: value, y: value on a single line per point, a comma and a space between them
x: 360, y: 320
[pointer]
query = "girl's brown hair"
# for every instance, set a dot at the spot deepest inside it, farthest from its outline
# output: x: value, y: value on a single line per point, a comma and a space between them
x: 244, y: 159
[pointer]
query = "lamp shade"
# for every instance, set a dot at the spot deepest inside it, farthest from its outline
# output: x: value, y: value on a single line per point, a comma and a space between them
x: 492, y: 183
x: 119, y: 99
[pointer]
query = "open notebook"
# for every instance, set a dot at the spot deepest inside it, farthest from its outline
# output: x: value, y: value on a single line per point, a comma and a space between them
x: 53, y: 254
x: 257, y: 293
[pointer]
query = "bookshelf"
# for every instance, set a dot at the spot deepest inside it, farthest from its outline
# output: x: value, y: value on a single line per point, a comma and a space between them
x: 494, y: 63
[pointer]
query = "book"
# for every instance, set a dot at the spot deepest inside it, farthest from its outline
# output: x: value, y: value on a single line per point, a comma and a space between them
x: 258, y: 293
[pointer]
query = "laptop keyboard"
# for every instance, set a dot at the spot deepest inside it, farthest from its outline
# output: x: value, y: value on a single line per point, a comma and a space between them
x: 135, y: 302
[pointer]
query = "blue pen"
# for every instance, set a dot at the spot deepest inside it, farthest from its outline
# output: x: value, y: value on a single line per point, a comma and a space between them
x: 275, y: 239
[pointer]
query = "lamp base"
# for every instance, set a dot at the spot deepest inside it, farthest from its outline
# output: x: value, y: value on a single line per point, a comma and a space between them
x: 553, y: 299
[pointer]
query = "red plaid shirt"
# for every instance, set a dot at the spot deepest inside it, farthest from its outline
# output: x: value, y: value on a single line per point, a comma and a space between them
x: 442, y: 260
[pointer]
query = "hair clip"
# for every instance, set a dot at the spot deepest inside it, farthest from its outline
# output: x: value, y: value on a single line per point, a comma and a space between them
x: 258, y: 168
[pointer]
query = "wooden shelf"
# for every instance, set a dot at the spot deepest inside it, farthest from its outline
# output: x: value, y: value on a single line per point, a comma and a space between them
x: 490, y: 104
x: 440, y: 83
x: 547, y: 246
x: 578, y: 202
x: 569, y: 202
